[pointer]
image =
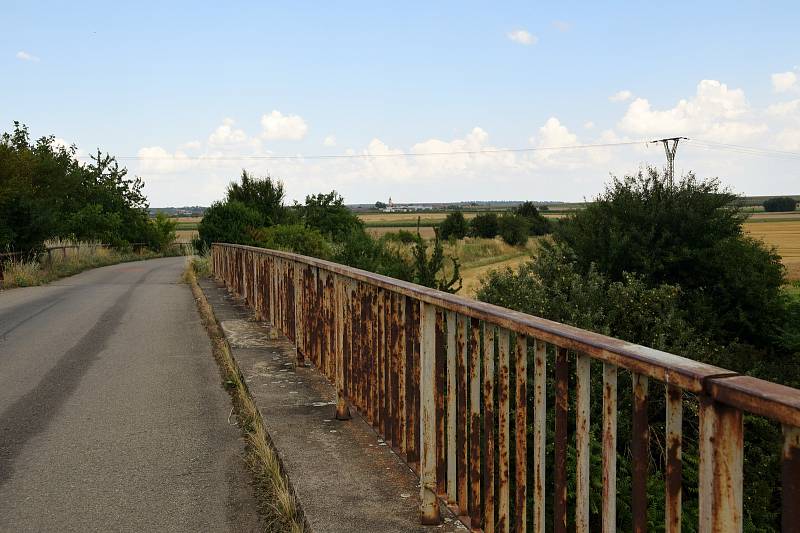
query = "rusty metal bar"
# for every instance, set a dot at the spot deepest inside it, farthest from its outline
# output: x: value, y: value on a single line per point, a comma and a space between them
x: 400, y: 354
x: 488, y: 427
x: 462, y: 405
x: 560, y: 442
x: 640, y: 452
x: 521, y: 431
x: 413, y: 340
x: 674, y: 430
x: 582, y: 437
x: 441, y: 414
x: 609, y: 501
x: 721, y: 462
x: 381, y: 409
x: 504, y: 431
x: 452, y: 488
x: 790, y: 478
x: 429, y: 509
x: 539, y: 434
x: 342, y: 411
x: 474, y: 423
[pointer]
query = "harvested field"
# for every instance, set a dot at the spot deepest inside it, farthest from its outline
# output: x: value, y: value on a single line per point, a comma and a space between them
x: 783, y: 235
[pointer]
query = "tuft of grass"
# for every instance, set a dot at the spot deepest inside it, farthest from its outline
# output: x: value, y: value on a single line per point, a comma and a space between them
x: 276, y: 500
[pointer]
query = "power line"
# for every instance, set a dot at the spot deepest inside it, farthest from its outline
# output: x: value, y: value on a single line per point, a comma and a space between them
x: 369, y: 156
x: 744, y: 150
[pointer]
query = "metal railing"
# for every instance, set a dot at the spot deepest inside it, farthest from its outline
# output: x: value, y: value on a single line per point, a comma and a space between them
x: 445, y: 381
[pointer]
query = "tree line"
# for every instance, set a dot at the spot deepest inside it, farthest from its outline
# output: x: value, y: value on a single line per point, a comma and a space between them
x: 46, y: 193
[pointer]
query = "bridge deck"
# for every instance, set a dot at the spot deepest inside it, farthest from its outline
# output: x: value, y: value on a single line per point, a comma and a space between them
x: 345, y: 477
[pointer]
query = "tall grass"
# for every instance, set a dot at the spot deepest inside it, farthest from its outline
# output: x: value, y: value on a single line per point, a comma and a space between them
x: 65, y: 258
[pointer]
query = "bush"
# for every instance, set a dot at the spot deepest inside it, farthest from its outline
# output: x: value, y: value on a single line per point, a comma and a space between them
x: 484, y: 225
x: 685, y: 234
x: 328, y: 214
x: 513, y: 229
x: 293, y: 238
x: 229, y: 222
x: 780, y: 204
x: 402, y: 236
x: 360, y: 250
x: 265, y: 195
x: 453, y: 226
x: 162, y: 232
x: 537, y: 224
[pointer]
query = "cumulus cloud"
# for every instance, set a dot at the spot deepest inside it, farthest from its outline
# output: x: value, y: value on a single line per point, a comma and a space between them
x: 227, y: 134
x: 715, y: 111
x: 620, y: 96
x: 330, y: 140
x: 277, y: 126
x: 522, y: 37
x: 588, y: 125
x: 783, y: 81
x: 25, y: 56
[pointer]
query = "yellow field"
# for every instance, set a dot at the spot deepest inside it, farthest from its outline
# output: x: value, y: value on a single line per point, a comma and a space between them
x: 185, y: 235
x: 783, y: 235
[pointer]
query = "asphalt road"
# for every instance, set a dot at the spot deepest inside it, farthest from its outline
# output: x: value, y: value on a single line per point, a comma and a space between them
x: 112, y: 417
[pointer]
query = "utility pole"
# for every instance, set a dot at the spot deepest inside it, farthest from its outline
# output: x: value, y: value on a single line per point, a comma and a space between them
x: 670, y: 151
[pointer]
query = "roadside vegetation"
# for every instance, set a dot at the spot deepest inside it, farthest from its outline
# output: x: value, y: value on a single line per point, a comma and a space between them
x: 669, y: 266
x: 49, y: 198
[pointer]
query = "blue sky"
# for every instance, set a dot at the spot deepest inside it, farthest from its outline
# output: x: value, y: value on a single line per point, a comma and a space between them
x: 189, y: 86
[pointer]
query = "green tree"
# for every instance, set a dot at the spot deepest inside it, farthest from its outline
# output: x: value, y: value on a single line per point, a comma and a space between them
x: 453, y: 226
x: 513, y: 229
x: 265, y: 195
x: 485, y: 225
x: 162, y: 232
x: 295, y: 238
x: 780, y: 204
x: 230, y: 222
x: 537, y: 224
x: 685, y: 234
x: 327, y: 213
x: 429, y: 267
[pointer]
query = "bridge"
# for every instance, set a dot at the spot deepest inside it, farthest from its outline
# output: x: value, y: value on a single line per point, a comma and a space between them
x: 459, y: 389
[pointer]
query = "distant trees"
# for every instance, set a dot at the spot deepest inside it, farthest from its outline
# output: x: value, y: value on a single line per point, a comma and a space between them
x: 779, y: 204
x: 537, y: 224
x: 380, y: 205
x: 513, y: 229
x: 484, y: 225
x: 453, y: 226
x: 265, y: 195
x: 45, y: 193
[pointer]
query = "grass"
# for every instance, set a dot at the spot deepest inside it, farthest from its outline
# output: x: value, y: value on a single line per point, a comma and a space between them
x: 44, y: 269
x: 276, y: 501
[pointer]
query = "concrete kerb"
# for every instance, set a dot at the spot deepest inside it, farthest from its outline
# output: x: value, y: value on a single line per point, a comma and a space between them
x: 344, y: 476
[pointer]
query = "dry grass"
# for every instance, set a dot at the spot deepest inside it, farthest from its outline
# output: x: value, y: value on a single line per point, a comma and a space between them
x: 276, y: 500
x: 425, y: 231
x: 186, y: 235
x: 783, y: 235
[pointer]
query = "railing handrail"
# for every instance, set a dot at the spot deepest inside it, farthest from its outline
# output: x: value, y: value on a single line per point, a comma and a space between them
x: 772, y: 400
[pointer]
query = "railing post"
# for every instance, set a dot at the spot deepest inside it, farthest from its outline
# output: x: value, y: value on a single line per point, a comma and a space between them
x: 430, y: 514
x: 790, y: 476
x: 342, y: 410
x: 721, y: 460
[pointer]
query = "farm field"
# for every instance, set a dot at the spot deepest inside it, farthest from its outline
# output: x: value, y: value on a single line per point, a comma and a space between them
x: 785, y: 236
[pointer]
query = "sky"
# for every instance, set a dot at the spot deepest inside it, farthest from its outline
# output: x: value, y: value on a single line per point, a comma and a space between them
x: 187, y: 94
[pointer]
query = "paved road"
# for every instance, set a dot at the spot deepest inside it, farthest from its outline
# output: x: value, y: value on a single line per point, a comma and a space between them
x: 111, y: 413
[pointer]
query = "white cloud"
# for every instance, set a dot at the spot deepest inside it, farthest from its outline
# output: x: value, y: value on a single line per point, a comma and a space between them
x: 277, y: 126
x: 192, y: 145
x: 562, y: 25
x: 522, y: 37
x: 783, y: 81
x: 330, y: 140
x: 156, y: 160
x: 25, y: 56
x: 227, y: 134
x: 588, y: 125
x: 788, y: 139
x: 620, y: 96
x: 715, y: 111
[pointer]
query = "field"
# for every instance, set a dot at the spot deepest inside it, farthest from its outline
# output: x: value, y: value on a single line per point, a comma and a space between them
x: 784, y: 234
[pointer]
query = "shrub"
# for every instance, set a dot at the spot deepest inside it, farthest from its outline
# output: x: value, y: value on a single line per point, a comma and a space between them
x: 402, y: 236
x: 429, y: 268
x: 779, y: 204
x: 229, y: 222
x: 484, y: 225
x: 513, y: 229
x: 360, y: 250
x: 162, y: 232
x: 293, y: 238
x: 453, y: 226
x: 537, y: 224
x: 265, y: 195
x: 683, y: 234
x: 328, y: 214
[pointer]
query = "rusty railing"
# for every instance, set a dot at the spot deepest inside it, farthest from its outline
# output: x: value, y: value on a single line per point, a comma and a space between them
x: 445, y: 379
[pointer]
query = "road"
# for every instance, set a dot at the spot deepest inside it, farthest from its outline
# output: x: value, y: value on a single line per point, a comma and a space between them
x: 112, y: 417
